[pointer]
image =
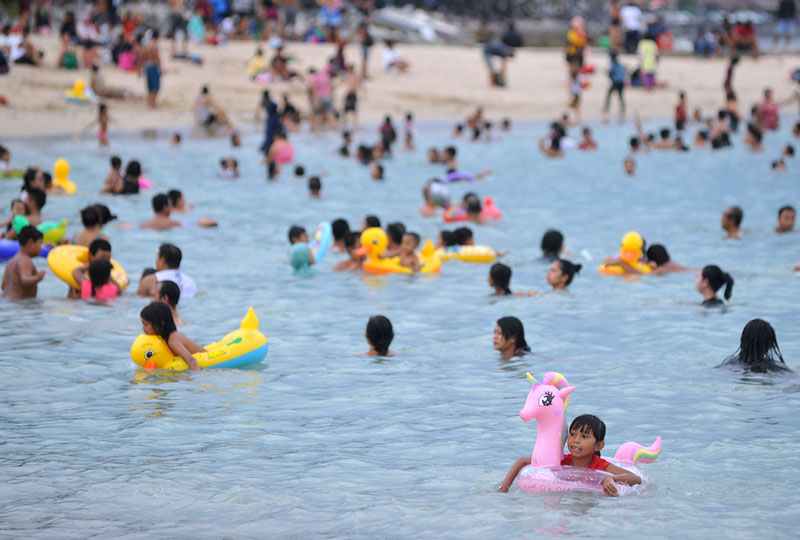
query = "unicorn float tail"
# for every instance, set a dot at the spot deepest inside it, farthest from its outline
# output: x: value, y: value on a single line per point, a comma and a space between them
x: 632, y: 452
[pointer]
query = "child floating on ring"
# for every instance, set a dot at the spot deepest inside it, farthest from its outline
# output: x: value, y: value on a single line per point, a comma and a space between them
x: 586, y: 438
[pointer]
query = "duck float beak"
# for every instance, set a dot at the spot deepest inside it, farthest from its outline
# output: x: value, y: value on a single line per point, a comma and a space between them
x: 364, y: 250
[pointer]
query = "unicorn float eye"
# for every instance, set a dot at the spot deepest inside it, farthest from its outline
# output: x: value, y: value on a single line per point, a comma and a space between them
x: 149, y: 353
x: 546, y: 399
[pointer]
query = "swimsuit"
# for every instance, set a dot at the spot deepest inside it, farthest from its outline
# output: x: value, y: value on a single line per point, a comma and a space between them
x: 597, y: 462
x: 350, y: 101
x: 153, y: 74
x: 106, y: 292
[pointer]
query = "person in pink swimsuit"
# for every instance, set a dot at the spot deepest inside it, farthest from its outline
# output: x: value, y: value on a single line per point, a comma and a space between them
x: 99, y: 284
x: 768, y: 110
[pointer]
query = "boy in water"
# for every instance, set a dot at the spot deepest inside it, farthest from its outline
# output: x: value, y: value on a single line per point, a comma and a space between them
x: 113, y: 182
x: 408, y: 258
x: 161, y: 220
x: 587, y: 143
x: 297, y: 234
x: 20, y: 278
x: 314, y: 187
x: 169, y: 293
x: 786, y: 216
x: 731, y: 220
x: 352, y: 243
x: 629, y: 166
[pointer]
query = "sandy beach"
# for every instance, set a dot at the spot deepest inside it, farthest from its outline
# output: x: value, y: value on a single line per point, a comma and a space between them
x: 444, y: 82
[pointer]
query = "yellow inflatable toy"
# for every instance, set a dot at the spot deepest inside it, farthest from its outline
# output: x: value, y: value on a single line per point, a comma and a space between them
x: 374, y: 242
x: 78, y: 93
x: 60, y: 174
x: 630, y: 253
x: 62, y: 260
x: 239, y: 348
x: 473, y: 254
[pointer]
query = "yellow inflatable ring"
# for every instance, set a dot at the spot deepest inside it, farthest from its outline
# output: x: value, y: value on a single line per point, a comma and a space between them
x: 473, y: 254
x: 62, y: 260
x: 373, y: 244
x: 244, y: 346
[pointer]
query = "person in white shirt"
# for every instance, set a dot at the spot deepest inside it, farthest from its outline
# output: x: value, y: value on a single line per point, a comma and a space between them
x: 631, y: 17
x: 168, y: 260
x: 392, y: 60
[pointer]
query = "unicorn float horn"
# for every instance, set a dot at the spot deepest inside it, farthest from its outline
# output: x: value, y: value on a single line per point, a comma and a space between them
x: 632, y: 452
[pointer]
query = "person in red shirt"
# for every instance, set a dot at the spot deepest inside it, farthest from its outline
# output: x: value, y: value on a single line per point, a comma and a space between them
x: 744, y: 40
x: 680, y: 112
x: 587, y: 435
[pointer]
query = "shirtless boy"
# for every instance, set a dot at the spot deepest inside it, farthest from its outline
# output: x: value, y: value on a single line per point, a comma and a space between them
x: 20, y: 278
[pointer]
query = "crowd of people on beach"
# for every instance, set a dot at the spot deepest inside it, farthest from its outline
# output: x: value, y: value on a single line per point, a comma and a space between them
x: 166, y: 285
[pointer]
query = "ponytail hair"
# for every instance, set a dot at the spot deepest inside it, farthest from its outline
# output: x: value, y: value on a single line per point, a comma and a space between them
x: 717, y: 278
x: 99, y: 273
x: 501, y: 276
x: 569, y: 269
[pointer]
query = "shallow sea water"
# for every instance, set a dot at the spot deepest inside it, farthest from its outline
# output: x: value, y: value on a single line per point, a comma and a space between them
x: 320, y: 441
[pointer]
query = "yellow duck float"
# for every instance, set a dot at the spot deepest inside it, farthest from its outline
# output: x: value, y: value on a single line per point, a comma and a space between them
x: 473, y: 254
x: 78, y: 93
x: 60, y: 174
x: 62, y: 260
x: 373, y: 244
x: 630, y: 253
x: 242, y: 347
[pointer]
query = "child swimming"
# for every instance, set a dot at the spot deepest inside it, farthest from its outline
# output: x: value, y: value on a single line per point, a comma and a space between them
x: 709, y: 280
x: 407, y: 256
x: 157, y: 321
x: 99, y: 284
x: 586, y: 438
x: 169, y: 293
x: 20, y: 277
x: 658, y: 259
x: 354, y: 261
x: 379, y: 336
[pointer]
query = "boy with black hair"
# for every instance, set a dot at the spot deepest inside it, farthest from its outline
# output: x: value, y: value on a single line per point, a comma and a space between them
x: 20, y: 278
x: 395, y: 232
x: 314, y: 186
x: 297, y: 234
x: 408, y: 258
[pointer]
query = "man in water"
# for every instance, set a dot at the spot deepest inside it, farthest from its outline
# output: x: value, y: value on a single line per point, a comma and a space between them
x: 786, y: 216
x: 732, y: 220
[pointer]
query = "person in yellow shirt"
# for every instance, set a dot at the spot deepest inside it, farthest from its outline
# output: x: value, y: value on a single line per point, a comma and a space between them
x: 257, y: 64
x: 576, y: 43
x: 648, y: 57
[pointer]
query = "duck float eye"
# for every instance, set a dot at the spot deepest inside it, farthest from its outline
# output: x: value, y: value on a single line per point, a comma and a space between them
x: 149, y: 353
x: 546, y: 400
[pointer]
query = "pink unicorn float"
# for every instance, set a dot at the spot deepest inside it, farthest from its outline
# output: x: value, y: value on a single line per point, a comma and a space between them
x: 547, y: 403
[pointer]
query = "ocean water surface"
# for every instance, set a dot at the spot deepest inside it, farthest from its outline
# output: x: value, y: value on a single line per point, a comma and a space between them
x: 321, y: 441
